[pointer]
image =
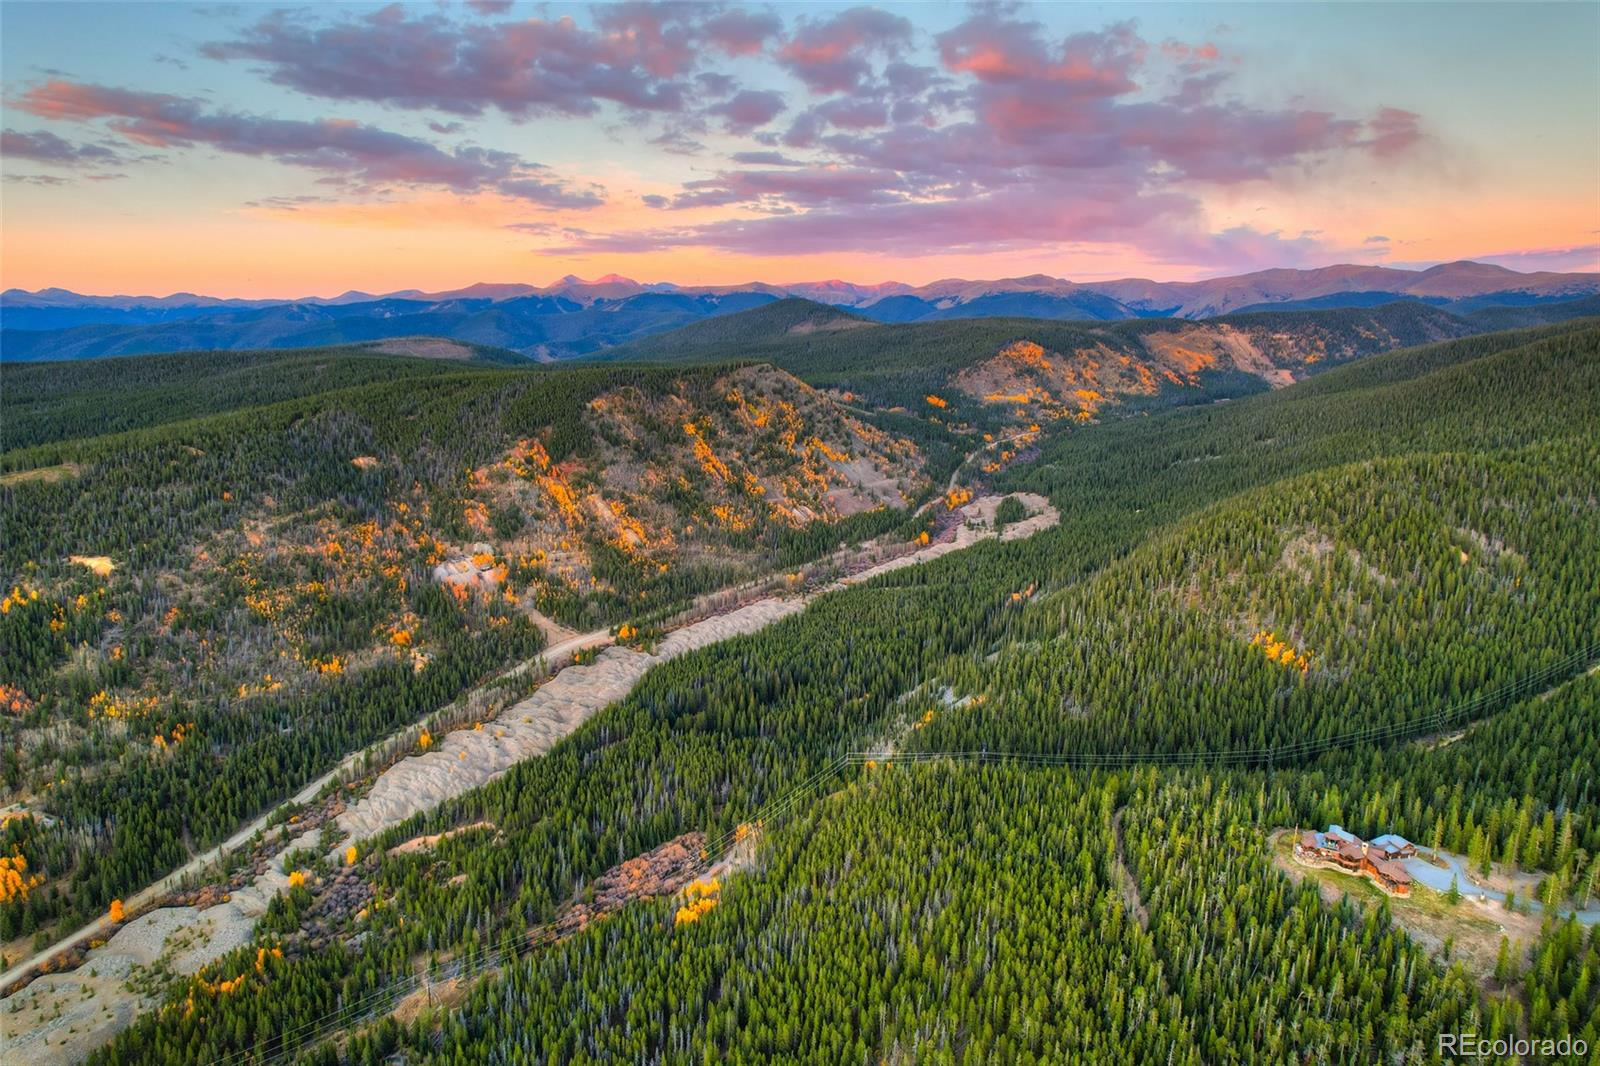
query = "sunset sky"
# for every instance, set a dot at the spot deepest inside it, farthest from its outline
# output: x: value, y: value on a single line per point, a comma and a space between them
x: 251, y: 150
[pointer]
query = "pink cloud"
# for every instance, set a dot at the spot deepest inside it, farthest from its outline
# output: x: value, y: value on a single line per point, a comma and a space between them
x: 42, y: 146
x: 740, y: 33
x: 765, y: 159
x: 1394, y: 131
x: 792, y: 187
x: 853, y: 113
x: 1231, y: 142
x: 634, y: 57
x: 1023, y: 140
x: 1021, y: 135
x: 1583, y: 257
x: 345, y: 150
x: 1191, y: 58
x: 832, y: 55
x: 748, y: 109
x: 1163, y: 224
x: 1000, y: 51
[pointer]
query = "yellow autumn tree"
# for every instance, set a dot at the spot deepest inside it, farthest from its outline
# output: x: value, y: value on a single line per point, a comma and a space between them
x: 15, y: 881
x: 117, y: 914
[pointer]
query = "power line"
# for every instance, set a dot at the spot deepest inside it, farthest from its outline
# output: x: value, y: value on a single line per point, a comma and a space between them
x: 282, y: 1046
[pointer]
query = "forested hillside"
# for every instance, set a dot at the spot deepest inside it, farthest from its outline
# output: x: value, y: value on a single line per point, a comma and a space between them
x: 222, y: 572
x: 1394, y: 537
x: 991, y: 370
x: 47, y: 402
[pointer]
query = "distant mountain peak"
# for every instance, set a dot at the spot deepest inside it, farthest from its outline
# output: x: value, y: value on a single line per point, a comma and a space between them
x: 1469, y: 266
x: 554, y: 321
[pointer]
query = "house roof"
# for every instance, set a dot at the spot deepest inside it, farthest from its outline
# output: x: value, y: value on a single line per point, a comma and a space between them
x: 1392, y: 840
x: 1392, y: 870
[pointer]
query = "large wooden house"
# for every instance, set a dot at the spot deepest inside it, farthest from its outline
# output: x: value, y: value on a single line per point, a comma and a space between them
x: 1377, y: 860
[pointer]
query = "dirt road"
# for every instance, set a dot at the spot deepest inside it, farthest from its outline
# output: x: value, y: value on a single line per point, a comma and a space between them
x: 101, y: 927
x: 79, y: 1010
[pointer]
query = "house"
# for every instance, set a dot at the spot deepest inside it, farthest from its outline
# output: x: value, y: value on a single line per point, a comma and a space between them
x: 1388, y: 875
x: 1376, y: 860
x: 1394, y: 846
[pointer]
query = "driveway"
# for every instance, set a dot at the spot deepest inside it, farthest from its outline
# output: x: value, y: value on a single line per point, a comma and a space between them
x: 1438, y: 879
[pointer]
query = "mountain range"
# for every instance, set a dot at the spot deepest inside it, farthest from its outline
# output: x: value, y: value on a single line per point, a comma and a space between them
x: 573, y: 316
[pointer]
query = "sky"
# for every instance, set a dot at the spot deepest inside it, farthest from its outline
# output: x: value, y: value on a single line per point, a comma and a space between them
x: 262, y: 151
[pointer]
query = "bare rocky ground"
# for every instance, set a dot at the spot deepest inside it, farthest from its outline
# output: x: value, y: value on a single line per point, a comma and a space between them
x: 58, y: 1018
x: 61, y: 1017
x: 467, y: 758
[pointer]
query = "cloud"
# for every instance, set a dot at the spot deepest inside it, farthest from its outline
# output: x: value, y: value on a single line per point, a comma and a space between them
x: 715, y: 86
x: 777, y: 189
x: 1229, y: 142
x: 748, y: 109
x: 805, y: 129
x: 832, y: 55
x: 524, y: 68
x: 1191, y: 58
x: 42, y: 146
x: 1000, y: 51
x: 999, y: 133
x: 1394, y: 131
x: 289, y: 203
x: 552, y: 194
x: 765, y: 159
x: 352, y: 153
x: 1022, y: 139
x: 678, y: 140
x: 853, y: 113
x: 739, y: 32
x: 1198, y: 89
x: 908, y: 79
x: 1582, y: 257
x: 637, y: 56
x: 998, y: 222
x: 1376, y: 239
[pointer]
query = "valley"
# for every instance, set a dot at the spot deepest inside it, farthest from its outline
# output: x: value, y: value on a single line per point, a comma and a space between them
x: 993, y: 533
x: 432, y: 772
x: 292, y: 563
x: 1172, y: 576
